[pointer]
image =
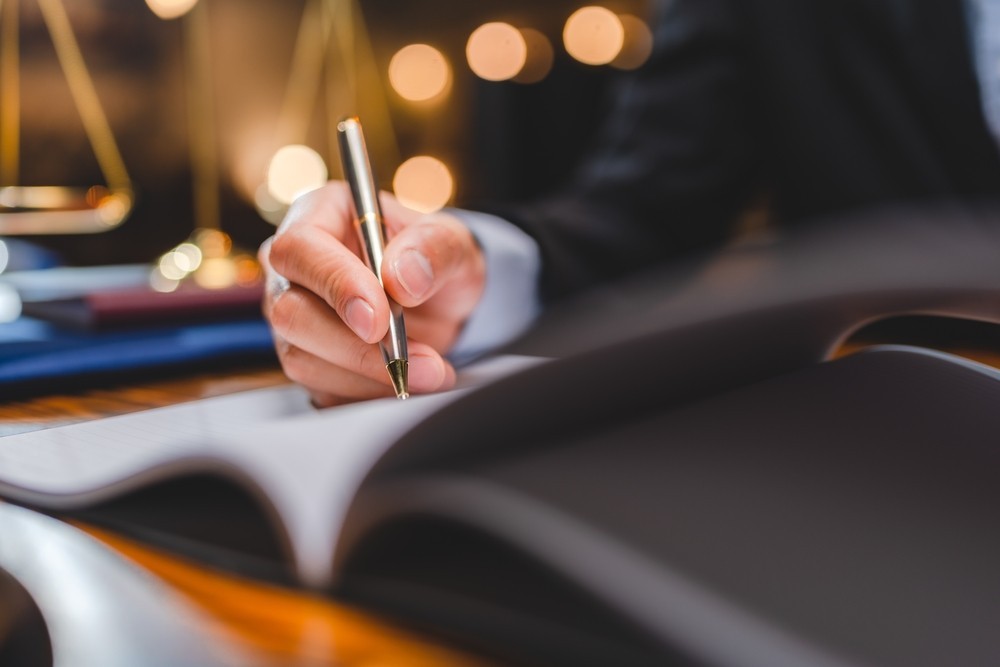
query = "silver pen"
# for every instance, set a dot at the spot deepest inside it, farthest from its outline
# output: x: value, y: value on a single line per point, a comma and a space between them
x: 371, y: 228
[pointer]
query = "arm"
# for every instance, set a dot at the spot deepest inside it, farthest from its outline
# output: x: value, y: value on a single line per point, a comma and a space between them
x: 673, y: 167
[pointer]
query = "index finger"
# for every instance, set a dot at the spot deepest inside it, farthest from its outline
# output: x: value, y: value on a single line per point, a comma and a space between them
x: 316, y: 248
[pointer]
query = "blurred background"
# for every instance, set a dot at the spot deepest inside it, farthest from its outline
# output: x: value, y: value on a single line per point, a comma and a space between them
x: 165, y: 117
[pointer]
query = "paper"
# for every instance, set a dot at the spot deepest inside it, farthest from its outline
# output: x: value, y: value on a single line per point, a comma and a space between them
x: 305, y: 463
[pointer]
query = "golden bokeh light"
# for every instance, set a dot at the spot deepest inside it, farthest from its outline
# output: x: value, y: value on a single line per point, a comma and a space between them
x: 496, y: 51
x: 268, y: 208
x: 174, y: 265
x: 216, y: 273
x: 295, y: 170
x: 419, y: 72
x: 540, y: 57
x: 593, y: 35
x: 171, y: 9
x: 637, y: 45
x: 423, y: 183
x: 160, y: 283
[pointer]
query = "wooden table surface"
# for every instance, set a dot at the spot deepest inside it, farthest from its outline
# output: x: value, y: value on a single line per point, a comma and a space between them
x: 279, y: 626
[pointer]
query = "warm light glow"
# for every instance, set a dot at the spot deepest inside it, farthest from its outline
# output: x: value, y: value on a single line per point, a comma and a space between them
x: 593, y: 35
x: 171, y: 9
x: 269, y: 208
x: 540, y: 57
x: 496, y: 51
x: 248, y: 270
x: 114, y: 208
x: 216, y: 273
x: 423, y: 183
x: 192, y: 256
x: 637, y: 45
x: 173, y: 265
x: 293, y: 171
x: 419, y: 72
x: 212, y: 242
x: 160, y: 283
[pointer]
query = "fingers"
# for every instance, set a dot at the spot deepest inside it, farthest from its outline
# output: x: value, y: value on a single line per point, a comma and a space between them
x: 316, y: 248
x: 327, y: 309
x: 317, y: 350
x: 434, y: 263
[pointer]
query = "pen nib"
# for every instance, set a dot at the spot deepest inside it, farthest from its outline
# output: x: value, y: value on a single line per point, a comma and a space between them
x: 397, y: 373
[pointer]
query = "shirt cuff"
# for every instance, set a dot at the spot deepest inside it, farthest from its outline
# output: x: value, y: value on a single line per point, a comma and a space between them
x: 510, y: 301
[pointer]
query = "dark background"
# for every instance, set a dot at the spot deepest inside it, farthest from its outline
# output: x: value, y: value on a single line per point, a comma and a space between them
x: 501, y: 139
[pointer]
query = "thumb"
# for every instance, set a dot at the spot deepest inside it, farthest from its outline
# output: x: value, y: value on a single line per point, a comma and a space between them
x: 435, y: 256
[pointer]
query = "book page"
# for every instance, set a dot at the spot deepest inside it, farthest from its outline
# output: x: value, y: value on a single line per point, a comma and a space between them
x: 307, y: 463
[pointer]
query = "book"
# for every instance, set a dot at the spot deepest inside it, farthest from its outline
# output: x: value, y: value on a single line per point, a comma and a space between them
x: 701, y: 482
x: 38, y: 357
x: 142, y: 306
x: 763, y: 526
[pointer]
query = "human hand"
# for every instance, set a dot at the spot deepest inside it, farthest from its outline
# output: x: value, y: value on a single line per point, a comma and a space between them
x: 328, y: 311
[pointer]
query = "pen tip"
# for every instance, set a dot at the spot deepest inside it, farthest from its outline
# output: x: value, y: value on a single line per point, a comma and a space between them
x: 397, y: 374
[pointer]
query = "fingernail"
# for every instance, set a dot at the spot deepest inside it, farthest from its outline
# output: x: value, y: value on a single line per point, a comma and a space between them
x: 414, y: 272
x: 360, y: 316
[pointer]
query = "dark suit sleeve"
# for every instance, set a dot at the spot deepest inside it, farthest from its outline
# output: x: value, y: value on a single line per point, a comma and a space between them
x: 674, y: 164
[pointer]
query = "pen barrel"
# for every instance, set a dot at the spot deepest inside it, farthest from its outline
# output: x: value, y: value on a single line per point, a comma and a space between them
x: 372, y: 233
x: 393, y: 346
x: 371, y: 228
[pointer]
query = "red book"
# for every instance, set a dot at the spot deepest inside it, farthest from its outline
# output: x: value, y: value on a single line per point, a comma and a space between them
x: 142, y: 306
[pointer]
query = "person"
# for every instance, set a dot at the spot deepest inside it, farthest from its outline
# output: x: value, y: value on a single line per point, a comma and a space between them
x: 817, y: 107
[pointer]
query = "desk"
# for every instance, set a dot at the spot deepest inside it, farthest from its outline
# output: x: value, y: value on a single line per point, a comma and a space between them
x: 281, y: 627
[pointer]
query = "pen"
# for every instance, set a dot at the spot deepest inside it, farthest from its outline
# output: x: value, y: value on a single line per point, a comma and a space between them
x: 358, y: 172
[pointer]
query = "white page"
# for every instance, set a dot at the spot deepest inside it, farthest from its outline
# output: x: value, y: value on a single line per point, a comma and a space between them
x: 307, y: 462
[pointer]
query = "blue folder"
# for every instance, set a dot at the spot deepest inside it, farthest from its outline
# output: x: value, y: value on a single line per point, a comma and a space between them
x: 36, y: 356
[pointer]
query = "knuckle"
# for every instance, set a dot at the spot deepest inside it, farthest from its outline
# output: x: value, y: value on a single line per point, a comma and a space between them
x: 335, y: 279
x: 286, y: 311
x: 284, y: 249
x: 369, y: 357
x: 295, y: 365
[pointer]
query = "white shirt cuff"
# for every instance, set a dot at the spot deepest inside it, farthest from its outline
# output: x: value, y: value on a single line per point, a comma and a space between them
x: 510, y: 301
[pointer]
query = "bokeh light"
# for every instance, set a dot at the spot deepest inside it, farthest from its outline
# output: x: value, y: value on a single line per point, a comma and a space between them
x: 419, y: 73
x: 593, y: 35
x: 539, y: 59
x: 216, y: 273
x: 295, y: 170
x: 160, y: 283
x: 496, y: 51
x: 423, y: 183
x: 171, y: 9
x: 637, y: 45
x: 268, y: 208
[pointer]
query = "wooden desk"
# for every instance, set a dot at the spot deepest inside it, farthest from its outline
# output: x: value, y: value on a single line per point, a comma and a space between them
x: 281, y: 627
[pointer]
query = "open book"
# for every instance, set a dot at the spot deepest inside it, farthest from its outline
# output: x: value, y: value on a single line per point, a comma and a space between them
x: 303, y: 465
x: 697, y: 482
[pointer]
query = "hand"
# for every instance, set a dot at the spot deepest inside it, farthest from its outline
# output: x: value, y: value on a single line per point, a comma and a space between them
x: 328, y: 311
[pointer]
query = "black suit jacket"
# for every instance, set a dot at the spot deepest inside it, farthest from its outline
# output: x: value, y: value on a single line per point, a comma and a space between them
x: 821, y: 106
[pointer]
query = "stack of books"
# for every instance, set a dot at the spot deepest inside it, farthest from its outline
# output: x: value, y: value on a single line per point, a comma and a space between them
x: 81, y: 327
